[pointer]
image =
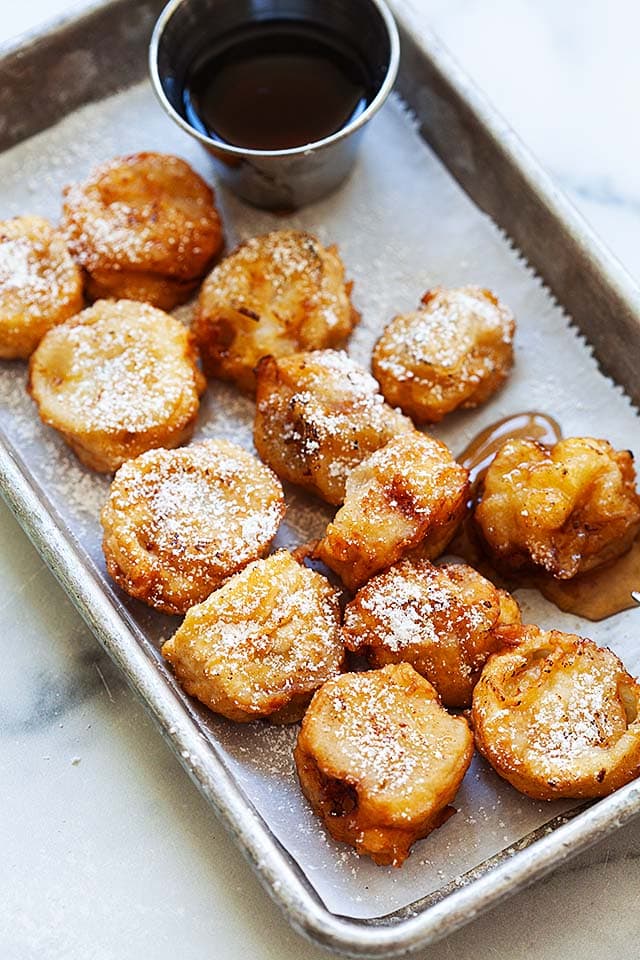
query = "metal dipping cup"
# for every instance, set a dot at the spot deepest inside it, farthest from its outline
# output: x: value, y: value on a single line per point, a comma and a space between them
x: 274, y: 179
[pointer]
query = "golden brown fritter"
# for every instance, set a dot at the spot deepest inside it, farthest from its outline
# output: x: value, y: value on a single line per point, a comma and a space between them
x: 179, y: 522
x: 454, y: 351
x: 566, y: 509
x: 405, y: 499
x: 318, y: 415
x: 262, y: 643
x: 557, y: 716
x: 116, y: 380
x: 144, y: 227
x: 380, y: 760
x: 274, y: 295
x: 444, y: 621
x: 40, y: 284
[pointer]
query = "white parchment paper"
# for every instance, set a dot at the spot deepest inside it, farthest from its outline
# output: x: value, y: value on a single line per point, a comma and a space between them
x: 402, y: 225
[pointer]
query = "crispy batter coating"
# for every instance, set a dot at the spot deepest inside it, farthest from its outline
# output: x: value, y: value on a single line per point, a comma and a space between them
x: 179, y: 522
x: 40, y: 284
x: 318, y: 415
x: 274, y: 295
x: 144, y: 227
x: 557, y: 716
x: 380, y: 760
x: 454, y: 351
x: 116, y: 380
x: 566, y: 509
x: 262, y: 643
x: 405, y: 499
x: 444, y: 621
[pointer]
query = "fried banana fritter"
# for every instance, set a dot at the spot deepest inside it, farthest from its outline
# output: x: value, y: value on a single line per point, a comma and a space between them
x: 116, y: 380
x: 557, y: 716
x: 262, y: 643
x: 274, y: 295
x: 565, y: 510
x: 144, y: 227
x: 40, y: 284
x: 455, y: 351
x: 444, y: 621
x: 179, y: 522
x: 406, y: 498
x: 380, y: 760
x: 318, y: 415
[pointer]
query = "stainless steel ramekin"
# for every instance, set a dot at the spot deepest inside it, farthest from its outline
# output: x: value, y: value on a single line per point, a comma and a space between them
x: 275, y: 179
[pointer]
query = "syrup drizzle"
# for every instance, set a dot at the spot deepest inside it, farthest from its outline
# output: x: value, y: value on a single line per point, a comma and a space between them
x: 479, y: 453
x: 601, y: 593
x: 596, y: 595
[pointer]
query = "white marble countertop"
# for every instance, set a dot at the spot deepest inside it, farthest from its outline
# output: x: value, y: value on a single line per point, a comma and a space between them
x: 108, y: 851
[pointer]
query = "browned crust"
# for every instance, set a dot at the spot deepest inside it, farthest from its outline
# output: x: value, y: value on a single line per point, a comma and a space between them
x: 557, y: 717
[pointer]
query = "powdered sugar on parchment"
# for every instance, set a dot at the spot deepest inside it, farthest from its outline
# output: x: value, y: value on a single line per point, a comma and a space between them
x: 402, y: 226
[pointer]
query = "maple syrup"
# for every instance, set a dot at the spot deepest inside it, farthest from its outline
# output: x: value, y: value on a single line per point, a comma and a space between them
x: 275, y: 85
x: 479, y: 453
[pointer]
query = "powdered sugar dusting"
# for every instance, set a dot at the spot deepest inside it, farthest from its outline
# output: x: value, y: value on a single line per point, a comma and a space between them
x: 319, y: 414
x: 385, y: 738
x: 37, y: 275
x: 116, y: 367
x: 567, y: 730
x: 443, y: 620
x: 40, y: 285
x: 393, y: 255
x: 416, y: 603
x: 379, y: 754
x: 270, y: 634
x: 147, y: 211
x: 279, y: 292
x: 445, y: 331
x: 553, y: 710
x: 16, y: 268
x: 210, y: 504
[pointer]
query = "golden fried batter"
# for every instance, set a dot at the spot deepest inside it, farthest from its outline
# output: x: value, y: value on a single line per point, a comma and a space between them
x: 455, y: 351
x: 318, y: 415
x: 178, y: 522
x: 380, y: 760
x: 274, y: 295
x: 40, y: 284
x: 406, y: 498
x: 557, y: 716
x: 566, y: 509
x: 262, y: 643
x: 116, y: 380
x: 444, y: 621
x: 144, y: 227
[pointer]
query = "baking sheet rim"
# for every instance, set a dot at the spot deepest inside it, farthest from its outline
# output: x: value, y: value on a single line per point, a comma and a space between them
x: 385, y: 936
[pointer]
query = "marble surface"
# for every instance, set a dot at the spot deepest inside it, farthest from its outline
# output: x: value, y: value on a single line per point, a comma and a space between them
x: 108, y: 850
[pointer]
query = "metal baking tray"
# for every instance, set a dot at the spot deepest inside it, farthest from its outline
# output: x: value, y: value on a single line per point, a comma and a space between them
x: 46, y: 76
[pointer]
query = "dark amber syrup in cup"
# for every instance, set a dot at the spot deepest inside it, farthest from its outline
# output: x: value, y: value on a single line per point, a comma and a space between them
x: 276, y: 85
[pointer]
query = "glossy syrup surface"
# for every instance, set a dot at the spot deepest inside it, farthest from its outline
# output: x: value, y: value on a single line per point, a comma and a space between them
x: 479, y: 453
x: 596, y: 595
x: 600, y: 593
x: 276, y: 85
